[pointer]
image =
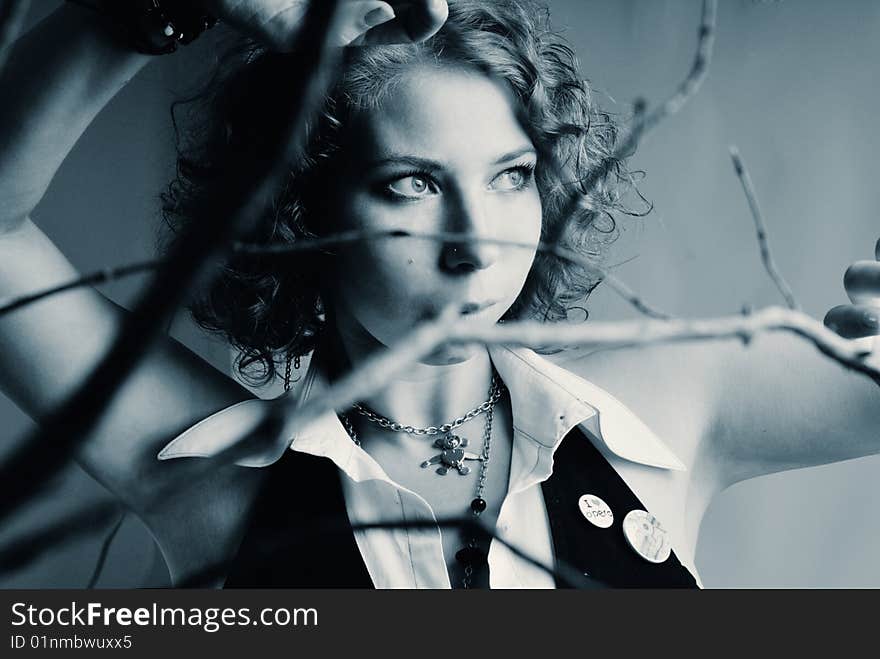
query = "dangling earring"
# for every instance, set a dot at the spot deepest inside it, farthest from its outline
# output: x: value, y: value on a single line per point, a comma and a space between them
x: 296, y: 364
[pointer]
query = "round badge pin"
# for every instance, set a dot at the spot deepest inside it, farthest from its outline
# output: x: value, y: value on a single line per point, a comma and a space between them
x: 596, y: 511
x: 646, y: 536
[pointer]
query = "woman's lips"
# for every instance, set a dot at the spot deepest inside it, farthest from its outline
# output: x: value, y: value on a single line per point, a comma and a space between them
x: 475, y: 307
x: 431, y: 311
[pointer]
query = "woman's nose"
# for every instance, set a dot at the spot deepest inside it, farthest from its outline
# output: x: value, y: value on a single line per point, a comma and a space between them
x: 474, y: 253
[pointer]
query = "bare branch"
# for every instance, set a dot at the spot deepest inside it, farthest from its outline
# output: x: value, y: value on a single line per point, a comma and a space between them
x: 698, y: 73
x: 92, y: 279
x: 766, y: 255
x: 336, y: 240
x: 642, y: 121
x: 647, y: 332
x: 563, y: 253
x: 30, y: 547
x: 633, y: 298
x: 105, y: 549
x: 562, y: 571
x: 282, y: 415
x: 376, y: 373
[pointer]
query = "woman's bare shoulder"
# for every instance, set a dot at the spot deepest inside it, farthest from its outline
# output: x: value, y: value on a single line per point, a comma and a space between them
x: 674, y: 388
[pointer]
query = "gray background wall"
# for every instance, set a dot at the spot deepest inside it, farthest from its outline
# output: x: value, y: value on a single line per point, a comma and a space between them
x: 793, y: 83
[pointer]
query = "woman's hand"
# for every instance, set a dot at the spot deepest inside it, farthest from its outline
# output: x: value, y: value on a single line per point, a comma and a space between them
x: 862, y: 317
x: 358, y: 22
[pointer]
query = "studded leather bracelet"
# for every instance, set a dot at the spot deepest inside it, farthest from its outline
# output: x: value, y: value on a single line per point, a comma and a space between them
x: 154, y: 27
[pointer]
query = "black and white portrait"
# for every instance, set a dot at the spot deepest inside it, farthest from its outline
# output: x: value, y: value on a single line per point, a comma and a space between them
x: 439, y: 294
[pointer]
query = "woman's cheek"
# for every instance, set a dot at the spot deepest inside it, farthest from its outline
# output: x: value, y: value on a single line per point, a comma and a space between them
x: 521, y: 215
x: 390, y: 271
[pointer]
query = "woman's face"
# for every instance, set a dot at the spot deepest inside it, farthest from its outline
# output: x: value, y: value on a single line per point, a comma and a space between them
x: 444, y: 153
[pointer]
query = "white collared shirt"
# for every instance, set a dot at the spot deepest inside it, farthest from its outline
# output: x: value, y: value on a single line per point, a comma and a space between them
x: 547, y: 401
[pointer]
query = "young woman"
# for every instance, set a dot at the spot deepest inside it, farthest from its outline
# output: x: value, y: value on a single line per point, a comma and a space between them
x: 468, y: 118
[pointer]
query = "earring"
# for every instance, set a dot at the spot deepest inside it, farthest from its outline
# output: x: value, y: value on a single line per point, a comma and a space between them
x: 296, y: 364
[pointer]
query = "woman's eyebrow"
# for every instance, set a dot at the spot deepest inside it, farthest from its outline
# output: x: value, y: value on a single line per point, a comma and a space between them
x: 399, y: 159
x: 429, y: 165
x: 515, y: 154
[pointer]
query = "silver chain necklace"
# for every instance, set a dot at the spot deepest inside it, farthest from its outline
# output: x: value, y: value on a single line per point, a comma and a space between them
x: 452, y: 454
x: 388, y: 424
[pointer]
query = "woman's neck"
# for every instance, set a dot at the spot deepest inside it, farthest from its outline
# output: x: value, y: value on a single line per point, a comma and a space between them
x: 423, y: 394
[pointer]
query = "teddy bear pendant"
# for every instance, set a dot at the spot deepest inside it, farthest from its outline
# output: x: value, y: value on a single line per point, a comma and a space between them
x: 451, y: 455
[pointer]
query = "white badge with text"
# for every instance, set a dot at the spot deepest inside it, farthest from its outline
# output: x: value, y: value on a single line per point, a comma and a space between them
x: 596, y: 511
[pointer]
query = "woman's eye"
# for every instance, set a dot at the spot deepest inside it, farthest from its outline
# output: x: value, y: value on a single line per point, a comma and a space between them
x: 511, y: 179
x: 411, y: 186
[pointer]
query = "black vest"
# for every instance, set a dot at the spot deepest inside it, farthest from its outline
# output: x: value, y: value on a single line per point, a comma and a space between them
x: 300, y: 535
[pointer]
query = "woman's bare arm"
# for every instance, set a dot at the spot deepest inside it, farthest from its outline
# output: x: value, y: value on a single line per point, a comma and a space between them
x: 58, y: 78
x: 783, y: 405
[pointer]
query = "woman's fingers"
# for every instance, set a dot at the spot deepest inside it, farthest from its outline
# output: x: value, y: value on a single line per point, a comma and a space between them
x: 862, y: 317
x: 415, y: 20
x: 358, y: 22
x: 853, y: 321
x: 358, y: 17
x: 862, y: 282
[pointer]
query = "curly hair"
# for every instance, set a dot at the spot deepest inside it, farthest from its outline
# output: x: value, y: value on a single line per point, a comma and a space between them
x: 271, y: 310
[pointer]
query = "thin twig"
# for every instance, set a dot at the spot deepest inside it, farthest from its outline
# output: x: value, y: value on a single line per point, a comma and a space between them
x: 564, y: 573
x: 644, y: 121
x: 26, y: 549
x: 761, y: 228
x: 698, y: 73
x: 563, y: 253
x: 105, y: 550
x: 336, y: 240
x: 633, y: 298
x: 374, y: 374
x: 647, y: 332
x: 92, y: 279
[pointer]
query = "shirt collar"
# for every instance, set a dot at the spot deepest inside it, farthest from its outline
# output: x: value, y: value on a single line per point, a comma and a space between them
x: 537, y: 387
